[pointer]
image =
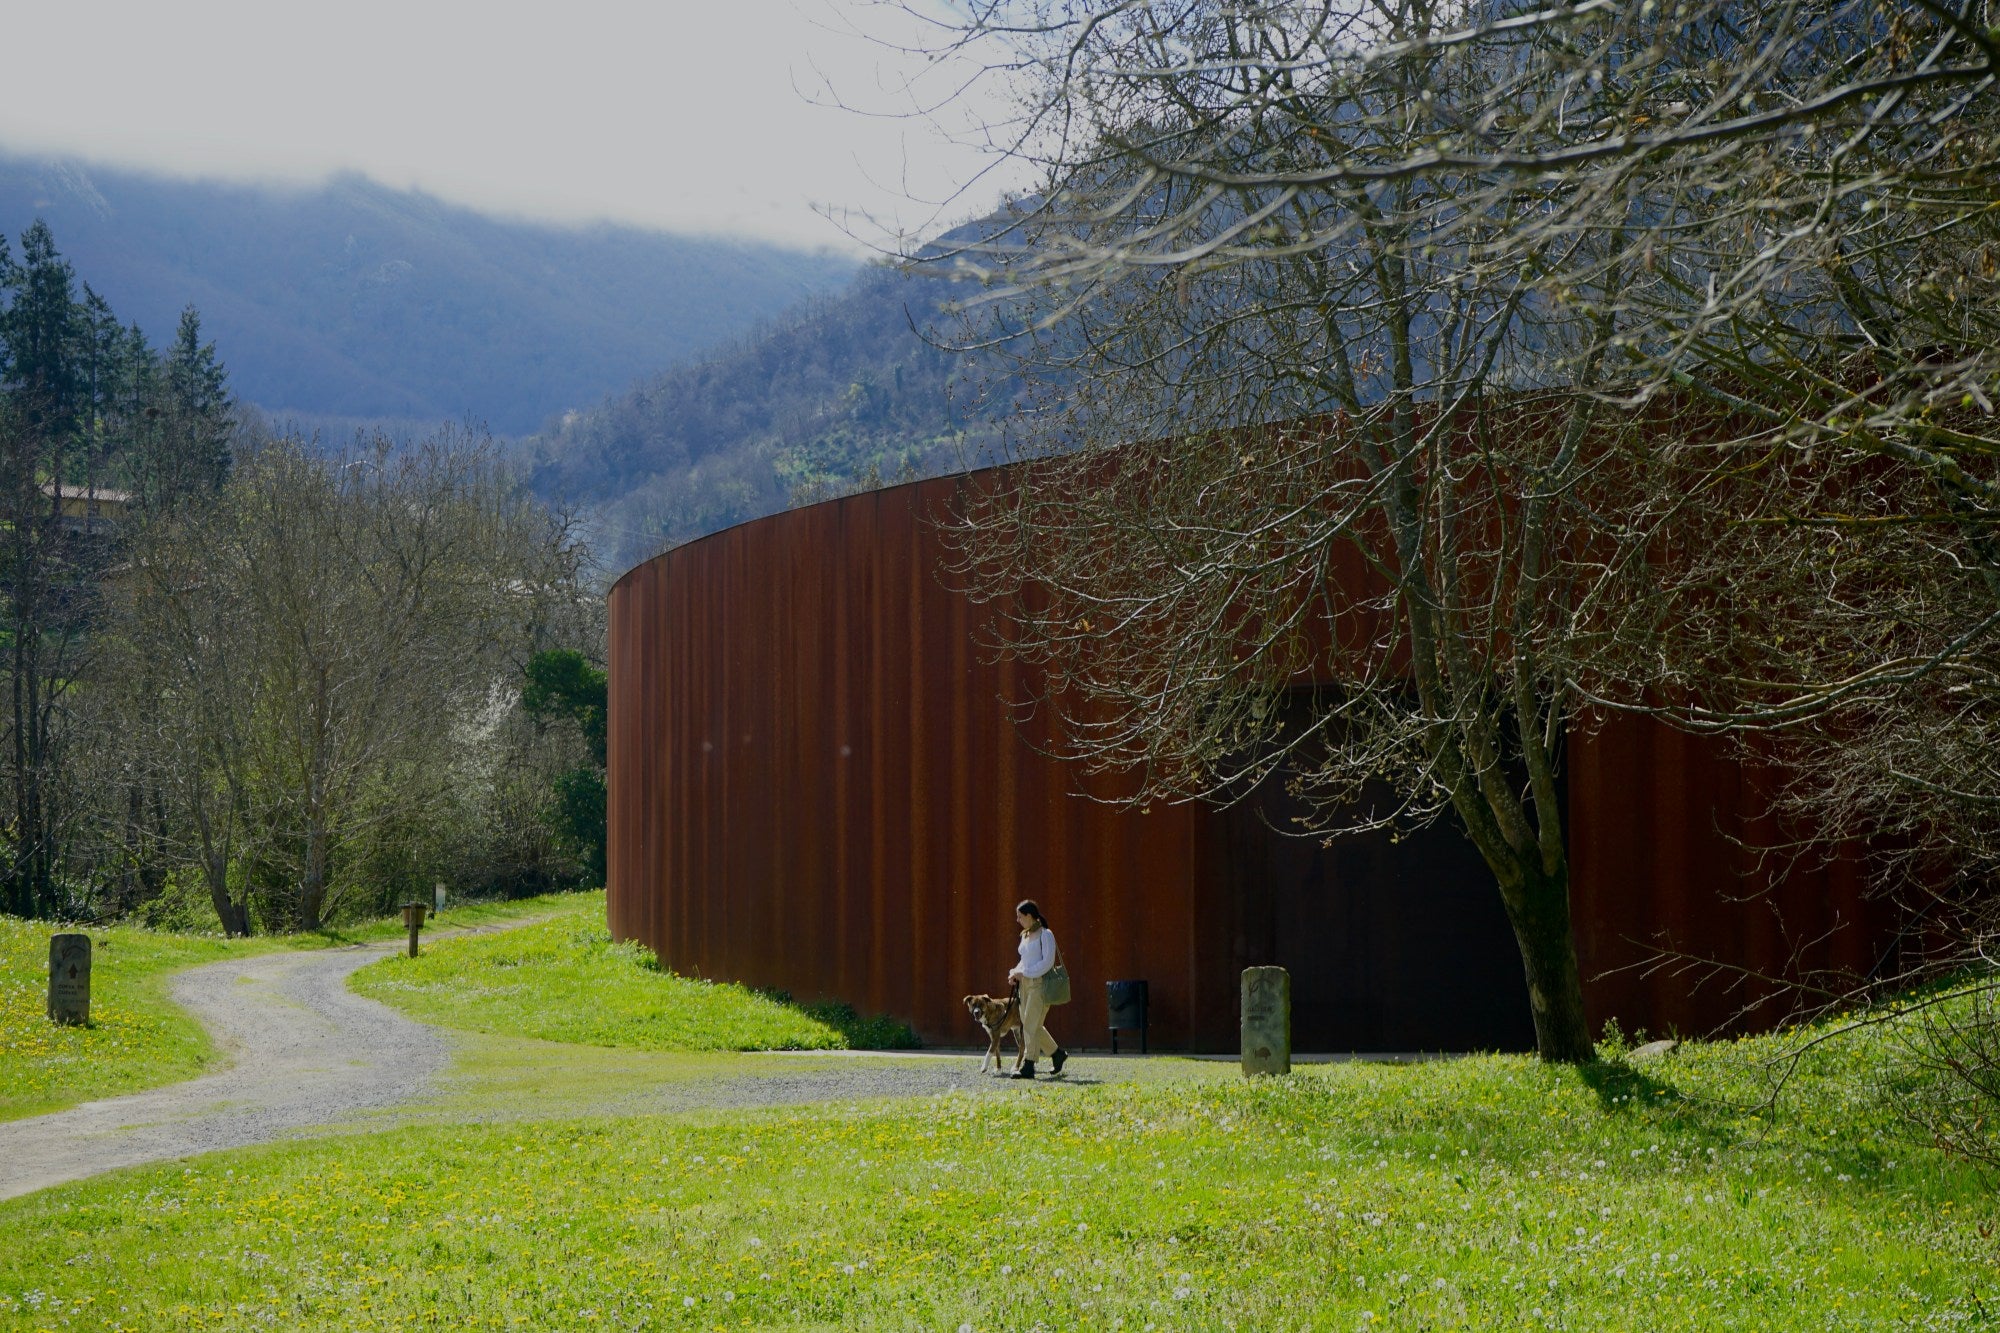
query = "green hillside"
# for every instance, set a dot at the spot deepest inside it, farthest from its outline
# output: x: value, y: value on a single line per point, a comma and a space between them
x: 844, y: 391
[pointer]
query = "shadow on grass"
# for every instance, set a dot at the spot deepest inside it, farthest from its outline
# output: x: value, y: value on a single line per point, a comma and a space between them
x: 874, y: 1032
x: 1621, y: 1087
x: 1626, y: 1089
x: 1069, y: 1078
x: 339, y: 937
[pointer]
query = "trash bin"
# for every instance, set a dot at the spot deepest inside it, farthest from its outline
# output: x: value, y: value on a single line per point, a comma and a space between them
x: 1127, y: 1002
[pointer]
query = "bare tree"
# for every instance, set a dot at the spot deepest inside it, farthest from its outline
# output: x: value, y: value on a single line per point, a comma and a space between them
x: 1500, y: 366
x: 340, y: 633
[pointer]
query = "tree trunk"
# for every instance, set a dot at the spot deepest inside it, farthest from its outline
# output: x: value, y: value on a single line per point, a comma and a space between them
x: 235, y: 917
x: 153, y: 873
x: 1539, y: 913
x: 312, y: 883
x: 128, y: 874
x: 34, y: 826
x: 31, y: 878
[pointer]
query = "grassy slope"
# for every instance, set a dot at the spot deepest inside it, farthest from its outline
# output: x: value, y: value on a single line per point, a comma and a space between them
x: 566, y: 981
x: 138, y: 1037
x: 1483, y: 1193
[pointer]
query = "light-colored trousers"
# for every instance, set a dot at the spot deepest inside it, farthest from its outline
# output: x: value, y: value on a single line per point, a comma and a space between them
x: 1036, y: 1042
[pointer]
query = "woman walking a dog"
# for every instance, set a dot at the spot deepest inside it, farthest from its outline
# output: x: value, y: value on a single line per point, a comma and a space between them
x: 1039, y: 957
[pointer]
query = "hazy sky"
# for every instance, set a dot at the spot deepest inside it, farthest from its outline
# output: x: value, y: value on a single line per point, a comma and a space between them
x: 685, y: 114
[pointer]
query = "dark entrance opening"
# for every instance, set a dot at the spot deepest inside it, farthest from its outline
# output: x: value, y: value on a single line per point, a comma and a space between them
x: 1394, y: 942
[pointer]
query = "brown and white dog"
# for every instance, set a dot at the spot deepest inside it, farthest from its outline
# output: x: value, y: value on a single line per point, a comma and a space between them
x: 998, y: 1017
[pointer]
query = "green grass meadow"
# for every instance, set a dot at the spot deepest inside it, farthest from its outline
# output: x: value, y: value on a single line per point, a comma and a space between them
x: 564, y: 980
x: 1482, y: 1193
x: 1695, y: 1191
x: 138, y: 1038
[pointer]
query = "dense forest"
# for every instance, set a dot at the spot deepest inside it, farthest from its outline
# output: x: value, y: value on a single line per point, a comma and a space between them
x: 254, y: 682
x: 350, y: 303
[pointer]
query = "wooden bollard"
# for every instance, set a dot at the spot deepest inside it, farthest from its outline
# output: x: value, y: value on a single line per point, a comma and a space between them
x: 413, y: 917
x: 1267, y: 1020
x: 69, y: 979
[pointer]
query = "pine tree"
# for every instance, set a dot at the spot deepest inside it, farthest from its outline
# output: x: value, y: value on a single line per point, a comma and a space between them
x: 41, y: 328
x: 198, y: 392
x: 44, y: 331
x: 85, y: 402
x: 101, y: 373
x: 140, y: 416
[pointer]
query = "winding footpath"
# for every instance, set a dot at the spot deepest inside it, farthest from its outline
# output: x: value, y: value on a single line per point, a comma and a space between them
x: 304, y: 1051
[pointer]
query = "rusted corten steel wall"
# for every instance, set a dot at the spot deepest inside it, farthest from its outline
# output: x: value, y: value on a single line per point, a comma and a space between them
x: 1673, y: 851
x: 813, y: 786
x: 816, y: 787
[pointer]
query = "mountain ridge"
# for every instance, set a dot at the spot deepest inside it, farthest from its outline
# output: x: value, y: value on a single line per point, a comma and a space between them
x: 349, y: 301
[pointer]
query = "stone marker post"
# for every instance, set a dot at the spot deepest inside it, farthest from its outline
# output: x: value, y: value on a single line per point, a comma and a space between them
x: 437, y: 899
x: 1267, y: 1020
x: 69, y: 979
x: 413, y: 917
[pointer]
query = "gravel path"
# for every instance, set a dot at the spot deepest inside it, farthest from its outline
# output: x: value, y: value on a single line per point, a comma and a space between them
x: 304, y: 1051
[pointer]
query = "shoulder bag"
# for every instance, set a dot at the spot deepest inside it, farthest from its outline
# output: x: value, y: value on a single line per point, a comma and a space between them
x: 1055, y: 981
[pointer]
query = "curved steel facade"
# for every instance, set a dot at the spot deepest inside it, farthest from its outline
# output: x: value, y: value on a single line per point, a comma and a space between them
x: 816, y: 786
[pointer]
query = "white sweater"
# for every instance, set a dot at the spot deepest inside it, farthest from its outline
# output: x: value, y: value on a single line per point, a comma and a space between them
x: 1038, y: 953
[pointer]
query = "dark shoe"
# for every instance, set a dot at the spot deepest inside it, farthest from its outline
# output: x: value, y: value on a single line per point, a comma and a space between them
x: 1025, y: 1071
x: 1060, y: 1059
